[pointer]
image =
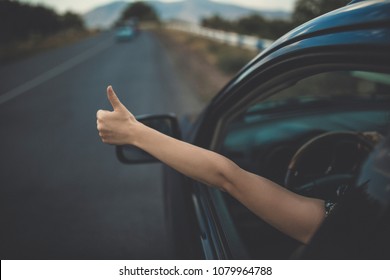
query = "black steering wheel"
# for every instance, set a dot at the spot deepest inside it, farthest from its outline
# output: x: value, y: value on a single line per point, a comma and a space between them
x: 327, y: 164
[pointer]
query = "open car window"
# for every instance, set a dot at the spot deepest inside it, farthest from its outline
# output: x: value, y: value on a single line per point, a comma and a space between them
x: 264, y: 136
x: 337, y: 116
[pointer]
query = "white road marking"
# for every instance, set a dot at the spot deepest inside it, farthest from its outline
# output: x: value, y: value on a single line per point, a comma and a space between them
x: 50, y: 74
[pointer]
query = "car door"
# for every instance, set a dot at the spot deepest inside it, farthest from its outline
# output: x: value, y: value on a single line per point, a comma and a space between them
x: 227, y: 229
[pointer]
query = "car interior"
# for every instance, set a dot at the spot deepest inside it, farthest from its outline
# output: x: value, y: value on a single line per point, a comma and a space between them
x: 311, y: 137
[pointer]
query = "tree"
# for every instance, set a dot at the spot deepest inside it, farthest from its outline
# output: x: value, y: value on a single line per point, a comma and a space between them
x: 72, y: 21
x: 141, y: 11
x: 277, y: 28
x: 19, y: 21
x: 217, y: 22
x: 252, y: 25
x: 308, y: 9
x: 274, y: 28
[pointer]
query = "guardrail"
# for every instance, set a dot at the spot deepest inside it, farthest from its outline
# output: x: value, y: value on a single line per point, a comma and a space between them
x: 230, y: 38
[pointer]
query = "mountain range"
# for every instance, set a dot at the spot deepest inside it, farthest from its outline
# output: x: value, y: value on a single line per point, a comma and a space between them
x: 187, y: 10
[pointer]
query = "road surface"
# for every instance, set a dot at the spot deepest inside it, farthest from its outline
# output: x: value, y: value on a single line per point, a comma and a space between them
x: 63, y: 193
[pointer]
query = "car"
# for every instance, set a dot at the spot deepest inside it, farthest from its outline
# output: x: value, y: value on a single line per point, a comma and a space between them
x: 310, y: 113
x: 124, y: 33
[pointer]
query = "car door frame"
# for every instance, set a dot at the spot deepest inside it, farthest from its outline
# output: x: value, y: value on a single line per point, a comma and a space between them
x: 341, y: 50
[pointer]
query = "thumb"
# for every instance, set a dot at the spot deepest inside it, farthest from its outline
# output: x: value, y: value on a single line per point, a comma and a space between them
x: 114, y: 100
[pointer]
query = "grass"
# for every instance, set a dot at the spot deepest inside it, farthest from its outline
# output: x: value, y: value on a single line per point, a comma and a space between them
x: 207, y: 65
x: 229, y: 59
x: 35, y: 44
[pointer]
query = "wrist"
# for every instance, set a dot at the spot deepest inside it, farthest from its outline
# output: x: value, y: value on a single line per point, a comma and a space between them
x: 136, y: 131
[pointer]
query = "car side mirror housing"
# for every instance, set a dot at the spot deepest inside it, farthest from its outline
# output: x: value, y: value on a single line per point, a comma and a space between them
x: 166, y: 124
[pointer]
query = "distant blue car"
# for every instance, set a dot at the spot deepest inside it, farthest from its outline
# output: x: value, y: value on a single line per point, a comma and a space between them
x: 124, y: 33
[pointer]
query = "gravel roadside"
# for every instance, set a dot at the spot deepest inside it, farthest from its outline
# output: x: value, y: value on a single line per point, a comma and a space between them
x: 204, y: 78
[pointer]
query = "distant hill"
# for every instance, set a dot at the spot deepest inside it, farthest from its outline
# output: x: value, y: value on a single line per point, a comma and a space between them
x: 104, y: 16
x: 187, y: 10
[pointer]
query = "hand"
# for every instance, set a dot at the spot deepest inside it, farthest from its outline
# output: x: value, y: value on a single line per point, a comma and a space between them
x: 115, y: 127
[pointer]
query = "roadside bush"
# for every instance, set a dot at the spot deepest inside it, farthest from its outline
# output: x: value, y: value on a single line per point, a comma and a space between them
x: 230, y: 61
x: 21, y: 21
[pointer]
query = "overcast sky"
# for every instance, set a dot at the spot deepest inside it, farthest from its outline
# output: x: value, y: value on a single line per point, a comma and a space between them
x: 85, y: 5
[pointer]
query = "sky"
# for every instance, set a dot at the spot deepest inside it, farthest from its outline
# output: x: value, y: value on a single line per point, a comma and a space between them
x: 82, y: 6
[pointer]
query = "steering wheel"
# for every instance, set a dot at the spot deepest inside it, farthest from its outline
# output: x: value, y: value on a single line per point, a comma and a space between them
x: 326, y: 165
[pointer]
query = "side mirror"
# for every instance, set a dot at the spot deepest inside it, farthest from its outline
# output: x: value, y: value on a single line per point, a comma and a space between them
x: 166, y: 124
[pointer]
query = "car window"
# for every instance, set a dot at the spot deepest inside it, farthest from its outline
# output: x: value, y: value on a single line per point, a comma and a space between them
x: 264, y: 137
x: 332, y: 101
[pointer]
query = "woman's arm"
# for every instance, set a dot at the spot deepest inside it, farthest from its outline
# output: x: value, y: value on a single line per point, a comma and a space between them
x: 295, y: 215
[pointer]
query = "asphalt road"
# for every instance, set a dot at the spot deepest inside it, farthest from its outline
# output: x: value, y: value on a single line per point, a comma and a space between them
x: 63, y: 193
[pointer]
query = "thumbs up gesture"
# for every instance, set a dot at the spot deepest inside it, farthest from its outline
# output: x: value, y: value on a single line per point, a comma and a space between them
x: 115, y: 127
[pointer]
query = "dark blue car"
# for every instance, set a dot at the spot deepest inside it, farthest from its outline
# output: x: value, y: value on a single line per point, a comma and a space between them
x: 312, y: 113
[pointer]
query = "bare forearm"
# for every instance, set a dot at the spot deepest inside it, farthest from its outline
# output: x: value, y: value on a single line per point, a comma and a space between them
x: 197, y: 163
x: 295, y: 215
